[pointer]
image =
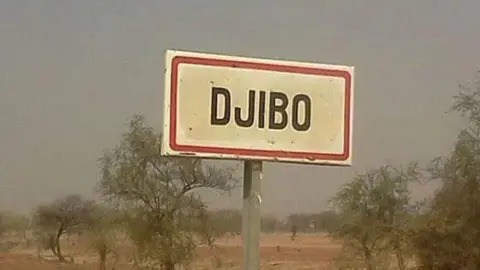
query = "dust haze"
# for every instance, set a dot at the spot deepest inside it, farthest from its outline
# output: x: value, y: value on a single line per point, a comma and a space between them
x: 73, y: 72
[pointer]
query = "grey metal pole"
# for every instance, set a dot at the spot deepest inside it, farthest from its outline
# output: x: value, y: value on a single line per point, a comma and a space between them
x: 251, y: 215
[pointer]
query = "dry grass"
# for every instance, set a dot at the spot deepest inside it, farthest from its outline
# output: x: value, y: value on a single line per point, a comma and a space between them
x: 307, y: 252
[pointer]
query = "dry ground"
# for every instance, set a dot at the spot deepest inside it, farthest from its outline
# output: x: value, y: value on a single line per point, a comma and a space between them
x: 278, y: 251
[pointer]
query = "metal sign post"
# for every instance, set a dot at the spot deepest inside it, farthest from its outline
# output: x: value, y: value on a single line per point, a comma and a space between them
x: 251, y: 216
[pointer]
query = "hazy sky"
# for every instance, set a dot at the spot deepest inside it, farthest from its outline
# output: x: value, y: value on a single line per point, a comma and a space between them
x: 73, y: 72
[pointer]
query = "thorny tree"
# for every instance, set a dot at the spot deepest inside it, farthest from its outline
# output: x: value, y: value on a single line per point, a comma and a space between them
x: 60, y: 216
x: 160, y: 193
x: 211, y: 226
x: 20, y: 224
x: 102, y: 231
x: 449, y: 237
x: 375, y: 208
x: 231, y: 220
x: 397, y: 208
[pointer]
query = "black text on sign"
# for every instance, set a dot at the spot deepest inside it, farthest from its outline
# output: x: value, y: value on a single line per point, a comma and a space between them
x: 276, y: 114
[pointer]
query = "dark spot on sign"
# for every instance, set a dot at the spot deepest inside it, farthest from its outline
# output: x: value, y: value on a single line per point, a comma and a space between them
x: 190, y: 128
x: 272, y: 142
x: 234, y: 65
x: 211, y: 82
x: 311, y: 158
x: 292, y: 142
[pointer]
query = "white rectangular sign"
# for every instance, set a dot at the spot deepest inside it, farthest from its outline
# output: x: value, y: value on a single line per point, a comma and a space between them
x: 218, y: 106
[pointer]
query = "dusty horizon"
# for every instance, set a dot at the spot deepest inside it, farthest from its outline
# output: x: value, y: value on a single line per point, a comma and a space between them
x: 73, y: 73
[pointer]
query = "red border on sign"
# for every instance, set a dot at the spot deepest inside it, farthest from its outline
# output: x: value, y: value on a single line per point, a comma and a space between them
x: 177, y: 60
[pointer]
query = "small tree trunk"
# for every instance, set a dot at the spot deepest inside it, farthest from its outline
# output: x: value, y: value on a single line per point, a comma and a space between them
x: 51, y: 245
x: 24, y: 235
x: 57, y: 244
x: 368, y: 259
x: 399, y: 255
x: 115, y: 260
x: 102, y: 252
x: 169, y: 265
x: 102, y: 265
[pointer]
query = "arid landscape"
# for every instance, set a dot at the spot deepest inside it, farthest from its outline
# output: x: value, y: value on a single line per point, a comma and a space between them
x: 278, y: 251
x: 148, y: 135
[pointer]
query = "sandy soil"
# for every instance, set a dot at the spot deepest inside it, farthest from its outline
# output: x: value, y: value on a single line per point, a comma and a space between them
x: 279, y: 252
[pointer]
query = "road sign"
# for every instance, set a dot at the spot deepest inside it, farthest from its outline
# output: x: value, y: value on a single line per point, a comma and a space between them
x: 219, y: 106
